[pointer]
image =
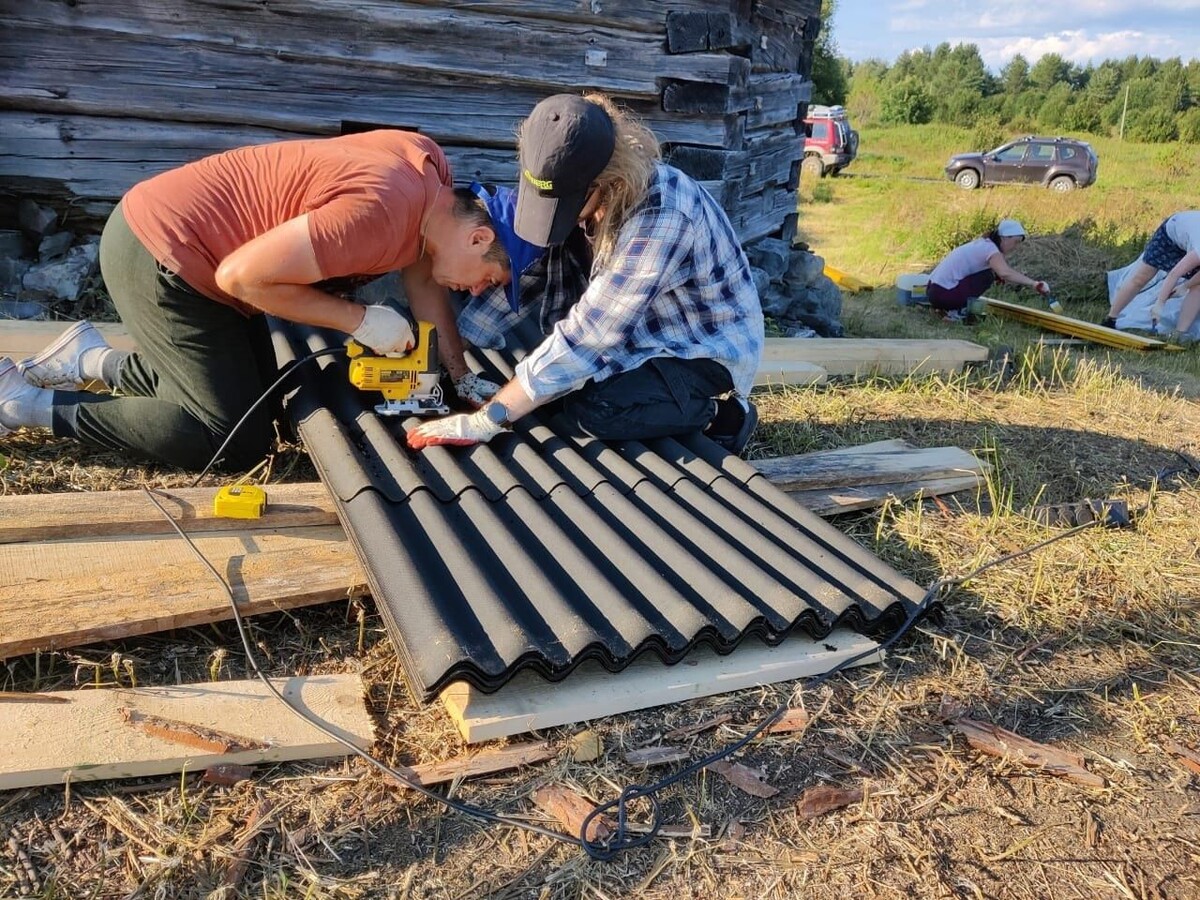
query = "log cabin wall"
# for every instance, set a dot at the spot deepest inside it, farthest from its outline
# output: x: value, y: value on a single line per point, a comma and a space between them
x: 100, y: 94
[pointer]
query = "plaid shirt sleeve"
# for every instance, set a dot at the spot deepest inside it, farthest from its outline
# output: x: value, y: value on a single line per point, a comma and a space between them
x: 592, y: 341
x: 484, y: 319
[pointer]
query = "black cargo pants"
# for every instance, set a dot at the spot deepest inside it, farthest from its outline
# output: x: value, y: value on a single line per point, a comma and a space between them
x: 198, y: 367
x: 662, y: 397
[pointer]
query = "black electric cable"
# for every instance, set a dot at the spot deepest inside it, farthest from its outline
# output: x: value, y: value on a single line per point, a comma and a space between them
x: 320, y: 725
x: 262, y: 398
x: 620, y: 840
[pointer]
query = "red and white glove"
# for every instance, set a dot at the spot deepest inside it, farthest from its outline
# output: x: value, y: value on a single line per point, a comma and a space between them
x: 455, y: 431
x: 385, y: 331
x: 475, y: 389
x: 1041, y: 287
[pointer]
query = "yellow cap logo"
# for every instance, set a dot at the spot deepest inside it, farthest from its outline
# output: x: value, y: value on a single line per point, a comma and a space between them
x: 540, y: 183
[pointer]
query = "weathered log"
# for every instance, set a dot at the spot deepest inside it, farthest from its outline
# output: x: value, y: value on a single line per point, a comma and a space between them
x: 188, y: 81
x: 688, y: 31
x: 399, y: 36
x: 640, y: 15
x: 88, y: 162
x: 84, y: 164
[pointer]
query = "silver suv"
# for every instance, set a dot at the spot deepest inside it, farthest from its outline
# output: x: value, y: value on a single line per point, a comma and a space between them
x: 1059, y: 163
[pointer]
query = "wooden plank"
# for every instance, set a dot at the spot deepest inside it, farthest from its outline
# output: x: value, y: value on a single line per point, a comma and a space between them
x: 401, y: 38
x: 87, y: 739
x: 19, y: 339
x: 794, y: 373
x: 861, y: 356
x: 528, y: 702
x: 40, y: 517
x: 24, y: 565
x: 833, y: 501
x: 475, y: 764
x: 868, y: 466
x: 140, y: 593
x: 1097, y: 334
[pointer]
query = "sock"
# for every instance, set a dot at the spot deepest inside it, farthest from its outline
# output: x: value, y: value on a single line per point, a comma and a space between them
x: 729, y: 416
x: 31, y: 407
x: 101, y: 364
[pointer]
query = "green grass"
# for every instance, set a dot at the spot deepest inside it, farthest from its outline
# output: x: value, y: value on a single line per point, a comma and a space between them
x: 894, y: 211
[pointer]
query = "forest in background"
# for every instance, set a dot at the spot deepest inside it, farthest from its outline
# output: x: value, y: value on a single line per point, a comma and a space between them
x: 1158, y: 99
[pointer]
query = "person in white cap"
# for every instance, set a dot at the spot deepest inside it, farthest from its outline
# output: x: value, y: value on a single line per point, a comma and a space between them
x: 970, y: 269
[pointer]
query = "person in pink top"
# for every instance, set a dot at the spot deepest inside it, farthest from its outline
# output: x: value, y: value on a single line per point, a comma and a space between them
x: 969, y: 270
x: 194, y: 257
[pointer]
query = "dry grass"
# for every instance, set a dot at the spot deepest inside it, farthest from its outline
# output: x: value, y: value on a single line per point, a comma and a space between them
x: 1091, y: 645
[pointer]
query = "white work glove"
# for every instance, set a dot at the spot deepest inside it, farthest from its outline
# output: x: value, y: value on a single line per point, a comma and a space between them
x: 385, y: 331
x: 1041, y: 287
x: 475, y: 389
x: 457, y: 431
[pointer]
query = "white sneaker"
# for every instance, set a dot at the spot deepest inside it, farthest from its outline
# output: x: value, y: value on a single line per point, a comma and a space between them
x: 13, y: 391
x: 57, y: 367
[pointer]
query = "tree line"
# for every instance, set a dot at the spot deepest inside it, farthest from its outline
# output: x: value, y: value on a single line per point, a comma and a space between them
x: 1158, y: 99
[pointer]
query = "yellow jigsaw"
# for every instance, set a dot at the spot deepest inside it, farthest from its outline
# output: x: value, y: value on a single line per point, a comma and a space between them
x: 410, y: 382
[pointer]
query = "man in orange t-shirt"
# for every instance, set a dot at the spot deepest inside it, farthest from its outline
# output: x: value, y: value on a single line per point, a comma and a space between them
x: 193, y: 256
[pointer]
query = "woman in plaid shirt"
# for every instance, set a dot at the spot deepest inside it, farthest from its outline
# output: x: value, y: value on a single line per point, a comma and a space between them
x: 667, y: 335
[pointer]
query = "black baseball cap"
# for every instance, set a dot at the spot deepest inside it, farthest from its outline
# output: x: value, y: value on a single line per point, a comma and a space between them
x: 565, y: 143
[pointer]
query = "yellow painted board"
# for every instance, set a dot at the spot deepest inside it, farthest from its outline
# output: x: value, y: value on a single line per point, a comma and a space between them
x: 1098, y: 334
x: 845, y: 281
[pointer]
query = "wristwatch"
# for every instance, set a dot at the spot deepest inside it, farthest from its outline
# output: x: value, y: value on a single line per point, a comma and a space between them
x: 497, y: 414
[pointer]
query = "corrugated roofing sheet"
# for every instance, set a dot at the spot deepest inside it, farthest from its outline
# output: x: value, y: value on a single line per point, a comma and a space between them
x: 540, y: 550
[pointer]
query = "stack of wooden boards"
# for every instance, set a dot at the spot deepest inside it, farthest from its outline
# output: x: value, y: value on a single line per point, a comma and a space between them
x: 797, y: 361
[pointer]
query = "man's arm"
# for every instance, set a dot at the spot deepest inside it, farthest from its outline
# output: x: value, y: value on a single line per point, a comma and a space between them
x: 430, y: 302
x: 275, y: 273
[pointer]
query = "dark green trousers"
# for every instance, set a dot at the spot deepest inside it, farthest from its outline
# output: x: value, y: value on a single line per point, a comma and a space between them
x: 198, y: 367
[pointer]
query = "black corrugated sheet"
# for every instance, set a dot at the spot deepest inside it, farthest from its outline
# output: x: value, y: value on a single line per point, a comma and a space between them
x: 540, y: 550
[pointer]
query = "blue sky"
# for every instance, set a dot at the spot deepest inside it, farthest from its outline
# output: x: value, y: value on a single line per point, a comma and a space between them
x: 1080, y: 30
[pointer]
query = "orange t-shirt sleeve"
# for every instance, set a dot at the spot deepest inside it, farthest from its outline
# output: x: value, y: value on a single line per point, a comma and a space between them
x: 354, y: 235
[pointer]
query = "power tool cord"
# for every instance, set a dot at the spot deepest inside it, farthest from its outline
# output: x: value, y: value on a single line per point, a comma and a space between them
x: 262, y: 398
x: 620, y: 840
x: 320, y: 725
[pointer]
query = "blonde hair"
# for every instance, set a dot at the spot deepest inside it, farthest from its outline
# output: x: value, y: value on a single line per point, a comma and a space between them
x: 624, y: 182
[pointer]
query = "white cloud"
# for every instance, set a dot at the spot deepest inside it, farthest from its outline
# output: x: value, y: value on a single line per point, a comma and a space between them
x: 1079, y: 30
x: 1079, y: 46
x: 1024, y: 16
